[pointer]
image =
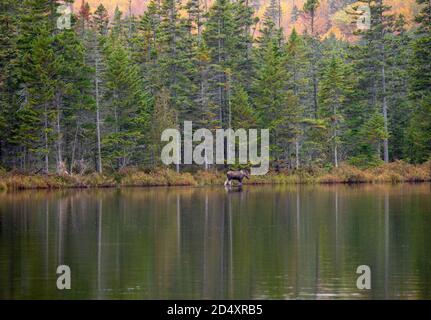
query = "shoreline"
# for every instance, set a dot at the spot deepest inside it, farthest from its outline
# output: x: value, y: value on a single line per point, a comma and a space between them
x: 393, y: 173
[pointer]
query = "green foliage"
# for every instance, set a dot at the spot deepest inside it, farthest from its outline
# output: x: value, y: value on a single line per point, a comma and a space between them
x: 129, y: 109
x: 109, y: 86
x: 418, y: 146
x: 243, y: 115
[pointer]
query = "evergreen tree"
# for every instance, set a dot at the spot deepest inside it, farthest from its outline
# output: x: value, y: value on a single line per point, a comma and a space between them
x: 163, y: 117
x: 228, y: 43
x: 296, y: 67
x: 177, y: 61
x: 8, y: 57
x: 270, y: 82
x: 97, y: 38
x: 34, y: 74
x: 91, y: 93
x: 243, y: 115
x: 128, y: 106
x: 418, y: 147
x: 336, y: 86
x: 101, y: 20
x: 310, y: 10
x: 373, y: 58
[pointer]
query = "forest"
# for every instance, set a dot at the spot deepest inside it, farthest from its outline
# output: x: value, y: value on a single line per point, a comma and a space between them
x: 94, y: 98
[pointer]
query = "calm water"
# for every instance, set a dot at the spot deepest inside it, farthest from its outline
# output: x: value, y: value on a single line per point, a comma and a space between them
x: 181, y: 243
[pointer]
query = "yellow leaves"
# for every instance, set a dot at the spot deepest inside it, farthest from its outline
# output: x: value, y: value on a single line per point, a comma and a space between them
x: 137, y: 6
x: 339, y: 23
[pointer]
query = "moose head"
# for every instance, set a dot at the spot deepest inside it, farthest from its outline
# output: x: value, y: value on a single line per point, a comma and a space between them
x: 245, y: 173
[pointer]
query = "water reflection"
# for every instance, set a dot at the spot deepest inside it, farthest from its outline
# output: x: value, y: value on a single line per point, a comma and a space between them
x: 293, y: 242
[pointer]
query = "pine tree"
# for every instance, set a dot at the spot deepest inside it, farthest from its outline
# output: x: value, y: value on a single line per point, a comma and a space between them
x: 84, y: 17
x: 296, y: 67
x: 310, y: 9
x: 269, y: 85
x: 399, y: 53
x: 8, y: 56
x: 243, y: 115
x: 418, y: 145
x: 177, y: 60
x: 128, y: 104
x: 147, y: 49
x: 336, y: 86
x: 273, y: 13
x: 34, y: 73
x: 372, y: 133
x: 228, y: 43
x: 91, y: 93
x: 95, y: 42
x: 118, y: 29
x: 163, y: 117
x: 101, y: 20
x: 373, y: 62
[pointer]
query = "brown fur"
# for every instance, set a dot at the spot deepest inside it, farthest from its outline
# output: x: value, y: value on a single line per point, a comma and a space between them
x: 238, y: 175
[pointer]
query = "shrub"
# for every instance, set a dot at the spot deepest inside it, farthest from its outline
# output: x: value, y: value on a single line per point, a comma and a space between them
x: 365, y: 161
x: 204, y: 178
x: 143, y: 179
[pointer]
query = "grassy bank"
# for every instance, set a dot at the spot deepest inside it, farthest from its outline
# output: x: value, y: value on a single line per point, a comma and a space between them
x: 396, y: 172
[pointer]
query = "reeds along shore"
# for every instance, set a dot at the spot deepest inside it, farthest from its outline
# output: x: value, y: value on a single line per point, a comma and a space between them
x: 396, y: 172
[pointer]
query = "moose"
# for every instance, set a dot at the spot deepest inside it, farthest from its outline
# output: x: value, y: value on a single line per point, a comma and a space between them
x: 237, y: 175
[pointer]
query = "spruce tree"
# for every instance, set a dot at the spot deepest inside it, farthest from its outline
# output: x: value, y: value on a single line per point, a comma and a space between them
x: 127, y: 103
x: 336, y: 86
x: 228, y: 43
x: 310, y: 10
x: 296, y: 67
x: 270, y: 82
x: 418, y: 146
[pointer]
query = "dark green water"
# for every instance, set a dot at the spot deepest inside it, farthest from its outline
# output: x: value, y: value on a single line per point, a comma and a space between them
x: 181, y: 243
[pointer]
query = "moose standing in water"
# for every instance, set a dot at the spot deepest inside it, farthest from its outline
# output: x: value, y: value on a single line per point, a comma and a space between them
x: 238, y: 175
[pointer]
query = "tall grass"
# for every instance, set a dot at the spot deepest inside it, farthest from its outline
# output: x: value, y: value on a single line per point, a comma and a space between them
x: 396, y: 172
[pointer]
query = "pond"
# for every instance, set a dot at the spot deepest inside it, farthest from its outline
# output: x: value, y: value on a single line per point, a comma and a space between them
x: 261, y: 242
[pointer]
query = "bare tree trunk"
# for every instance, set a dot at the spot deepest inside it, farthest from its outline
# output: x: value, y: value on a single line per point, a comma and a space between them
x: 384, y: 102
x: 228, y: 101
x: 335, y: 123
x: 59, y: 135
x: 116, y: 126
x: 219, y: 46
x: 75, y: 141
x: 204, y: 102
x: 177, y: 165
x: 385, y: 116
x: 297, y: 153
x: 379, y: 149
x: 313, y: 65
x: 316, y: 107
x: 46, y: 140
x: 298, y: 126
x: 99, y: 153
x: 336, y: 156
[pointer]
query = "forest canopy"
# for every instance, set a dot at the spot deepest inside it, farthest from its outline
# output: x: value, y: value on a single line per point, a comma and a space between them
x: 99, y: 94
